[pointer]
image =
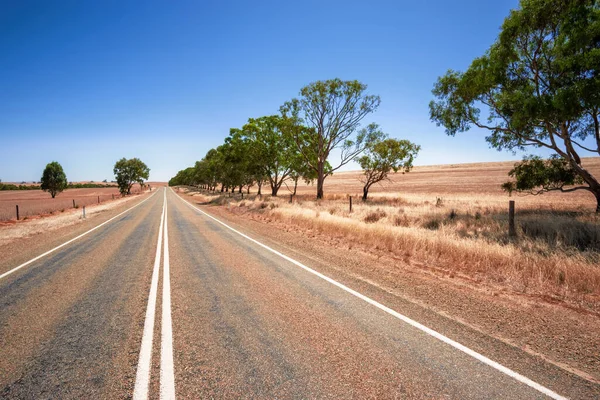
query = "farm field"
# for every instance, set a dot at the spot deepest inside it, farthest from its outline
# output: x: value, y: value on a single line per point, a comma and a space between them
x: 37, y: 202
x: 452, y: 219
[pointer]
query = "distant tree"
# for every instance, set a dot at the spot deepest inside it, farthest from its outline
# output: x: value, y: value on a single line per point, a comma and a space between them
x: 332, y: 110
x: 129, y: 172
x: 540, y: 86
x: 384, y: 156
x: 54, y: 179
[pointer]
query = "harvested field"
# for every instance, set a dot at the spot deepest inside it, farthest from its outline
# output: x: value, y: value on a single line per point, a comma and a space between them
x: 453, y: 220
x: 37, y: 202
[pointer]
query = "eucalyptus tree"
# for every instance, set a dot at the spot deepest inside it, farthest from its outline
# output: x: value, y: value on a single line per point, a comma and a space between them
x: 332, y: 110
x: 54, y: 179
x: 383, y: 156
x: 539, y: 87
x: 273, y: 148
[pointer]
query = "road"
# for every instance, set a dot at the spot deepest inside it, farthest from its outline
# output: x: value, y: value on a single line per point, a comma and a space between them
x: 163, y: 300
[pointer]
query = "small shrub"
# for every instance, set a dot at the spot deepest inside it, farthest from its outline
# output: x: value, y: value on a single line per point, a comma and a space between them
x: 439, y: 202
x: 432, y: 224
x: 401, y: 220
x: 374, y: 216
x: 453, y: 214
x: 273, y: 205
x: 242, y: 204
x: 477, y: 215
x: 263, y: 205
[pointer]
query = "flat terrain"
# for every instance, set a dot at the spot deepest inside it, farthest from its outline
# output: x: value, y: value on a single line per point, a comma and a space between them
x: 226, y: 317
x: 453, y: 180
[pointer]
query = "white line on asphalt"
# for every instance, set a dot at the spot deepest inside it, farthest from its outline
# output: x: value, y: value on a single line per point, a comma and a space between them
x: 167, y: 373
x: 142, y: 376
x: 70, y: 241
x: 404, y: 318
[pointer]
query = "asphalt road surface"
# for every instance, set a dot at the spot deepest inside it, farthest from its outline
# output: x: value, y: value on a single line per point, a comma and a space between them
x: 163, y: 301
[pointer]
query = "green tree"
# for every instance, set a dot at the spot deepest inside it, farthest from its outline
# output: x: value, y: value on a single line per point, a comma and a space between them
x: 273, y: 148
x: 384, y: 156
x: 535, y: 176
x: 129, y: 172
x: 539, y: 84
x: 333, y: 110
x: 54, y: 179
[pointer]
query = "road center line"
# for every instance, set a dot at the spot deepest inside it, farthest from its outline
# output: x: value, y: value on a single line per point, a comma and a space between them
x: 142, y: 377
x: 4, y: 275
x: 423, y: 328
x: 167, y: 373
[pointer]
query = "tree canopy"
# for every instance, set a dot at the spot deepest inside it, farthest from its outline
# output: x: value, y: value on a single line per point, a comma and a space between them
x: 384, y: 156
x: 332, y: 111
x: 54, y: 179
x: 538, y: 84
x: 128, y: 172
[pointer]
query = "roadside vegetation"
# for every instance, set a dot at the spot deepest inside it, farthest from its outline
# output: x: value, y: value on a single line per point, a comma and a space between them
x: 536, y: 87
x: 555, y: 255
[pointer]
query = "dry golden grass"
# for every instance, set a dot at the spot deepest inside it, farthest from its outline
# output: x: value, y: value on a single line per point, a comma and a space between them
x: 453, y: 219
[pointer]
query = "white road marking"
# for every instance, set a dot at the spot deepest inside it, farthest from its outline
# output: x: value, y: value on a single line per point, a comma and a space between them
x: 167, y: 373
x: 423, y: 328
x: 142, y: 377
x: 69, y: 241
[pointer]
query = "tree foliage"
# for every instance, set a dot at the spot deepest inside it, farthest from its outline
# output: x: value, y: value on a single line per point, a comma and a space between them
x: 128, y: 172
x: 539, y: 84
x: 332, y: 111
x: 384, y: 156
x: 54, y: 179
x: 535, y: 175
x: 295, y: 144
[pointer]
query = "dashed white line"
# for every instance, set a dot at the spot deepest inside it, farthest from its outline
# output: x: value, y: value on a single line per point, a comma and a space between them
x: 70, y: 241
x: 423, y: 328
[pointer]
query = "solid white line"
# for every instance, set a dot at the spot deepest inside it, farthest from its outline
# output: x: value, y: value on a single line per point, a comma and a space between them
x: 70, y: 241
x: 404, y: 318
x: 142, y: 376
x: 167, y: 373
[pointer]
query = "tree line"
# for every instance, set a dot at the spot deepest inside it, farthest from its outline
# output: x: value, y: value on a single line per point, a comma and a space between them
x: 538, y: 86
x: 296, y: 144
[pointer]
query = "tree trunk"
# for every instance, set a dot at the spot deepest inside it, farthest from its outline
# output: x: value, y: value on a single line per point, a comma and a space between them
x: 365, y: 193
x: 320, y: 179
x: 295, y: 186
x: 597, y: 194
x: 222, y: 188
x: 259, y: 188
x: 274, y: 190
x: 248, y: 191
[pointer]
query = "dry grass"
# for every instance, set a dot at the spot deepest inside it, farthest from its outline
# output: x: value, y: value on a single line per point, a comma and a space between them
x: 461, y: 232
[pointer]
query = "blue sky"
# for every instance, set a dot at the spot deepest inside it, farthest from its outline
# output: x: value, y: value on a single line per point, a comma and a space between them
x: 88, y: 82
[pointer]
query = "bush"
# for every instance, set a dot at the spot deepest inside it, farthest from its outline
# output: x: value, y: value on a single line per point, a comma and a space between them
x: 374, y: 216
x: 432, y: 224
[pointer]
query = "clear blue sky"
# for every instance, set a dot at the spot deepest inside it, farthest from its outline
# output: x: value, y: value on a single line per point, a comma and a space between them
x: 88, y: 82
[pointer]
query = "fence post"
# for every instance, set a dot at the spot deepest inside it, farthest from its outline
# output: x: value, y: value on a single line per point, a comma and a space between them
x: 350, y: 198
x: 98, y: 199
x: 511, y: 219
x: 17, y: 212
x: 73, y: 203
x: 83, y: 211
